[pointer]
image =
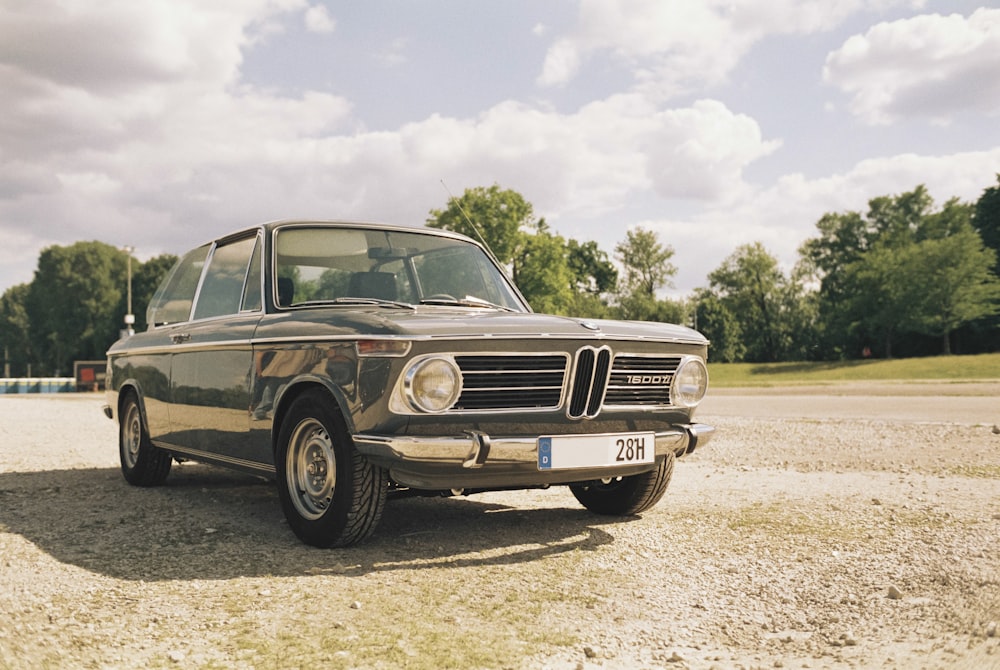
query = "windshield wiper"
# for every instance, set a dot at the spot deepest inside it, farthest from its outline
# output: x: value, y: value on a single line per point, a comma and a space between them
x: 467, y: 301
x: 350, y: 300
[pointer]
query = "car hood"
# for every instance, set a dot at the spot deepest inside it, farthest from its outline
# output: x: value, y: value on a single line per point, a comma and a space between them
x: 440, y: 322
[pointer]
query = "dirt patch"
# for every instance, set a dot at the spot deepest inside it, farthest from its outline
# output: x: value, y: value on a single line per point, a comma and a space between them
x: 787, y: 542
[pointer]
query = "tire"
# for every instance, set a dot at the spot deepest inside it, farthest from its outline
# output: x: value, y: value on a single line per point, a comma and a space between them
x: 331, y: 495
x: 142, y: 463
x: 627, y: 496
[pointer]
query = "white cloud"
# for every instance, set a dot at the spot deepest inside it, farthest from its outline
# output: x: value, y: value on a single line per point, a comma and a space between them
x: 784, y: 215
x: 928, y: 66
x: 394, y: 54
x: 318, y: 20
x: 682, y: 45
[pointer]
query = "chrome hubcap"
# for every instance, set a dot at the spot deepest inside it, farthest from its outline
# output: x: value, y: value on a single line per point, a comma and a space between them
x: 131, y: 436
x: 311, y: 469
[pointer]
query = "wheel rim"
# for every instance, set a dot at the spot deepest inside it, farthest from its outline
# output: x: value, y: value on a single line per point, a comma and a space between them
x: 311, y: 469
x: 131, y: 436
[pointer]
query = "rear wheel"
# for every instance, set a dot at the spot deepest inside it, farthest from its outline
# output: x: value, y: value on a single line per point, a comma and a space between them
x: 330, y: 494
x: 625, y: 496
x: 142, y: 463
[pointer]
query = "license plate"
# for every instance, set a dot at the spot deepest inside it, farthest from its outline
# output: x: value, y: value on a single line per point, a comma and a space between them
x: 595, y: 451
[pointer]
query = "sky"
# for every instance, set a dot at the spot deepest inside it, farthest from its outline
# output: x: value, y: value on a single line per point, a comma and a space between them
x: 160, y: 124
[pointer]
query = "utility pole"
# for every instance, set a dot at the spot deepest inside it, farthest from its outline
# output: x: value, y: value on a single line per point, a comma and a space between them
x: 129, y: 316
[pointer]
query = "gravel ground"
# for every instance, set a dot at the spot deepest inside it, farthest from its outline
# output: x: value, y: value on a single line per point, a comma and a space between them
x: 801, y: 537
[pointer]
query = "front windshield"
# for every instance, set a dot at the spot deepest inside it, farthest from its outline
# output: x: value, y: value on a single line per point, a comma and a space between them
x: 340, y: 264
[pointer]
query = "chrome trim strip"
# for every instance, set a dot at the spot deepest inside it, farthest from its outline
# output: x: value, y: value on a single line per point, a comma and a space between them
x: 198, y: 455
x: 483, y: 337
x: 503, y: 451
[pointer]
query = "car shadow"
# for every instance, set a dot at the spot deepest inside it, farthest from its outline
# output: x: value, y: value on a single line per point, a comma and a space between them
x: 209, y: 523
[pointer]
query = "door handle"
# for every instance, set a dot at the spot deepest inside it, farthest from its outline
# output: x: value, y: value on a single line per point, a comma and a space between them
x: 178, y: 338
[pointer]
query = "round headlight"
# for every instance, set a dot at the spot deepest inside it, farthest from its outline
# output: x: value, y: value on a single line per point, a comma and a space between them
x: 690, y: 383
x: 433, y: 384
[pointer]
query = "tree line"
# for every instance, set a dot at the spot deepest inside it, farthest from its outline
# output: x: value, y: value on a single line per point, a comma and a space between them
x: 904, y: 278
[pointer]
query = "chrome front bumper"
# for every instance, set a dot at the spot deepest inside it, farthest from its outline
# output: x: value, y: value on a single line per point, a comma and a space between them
x: 477, y: 460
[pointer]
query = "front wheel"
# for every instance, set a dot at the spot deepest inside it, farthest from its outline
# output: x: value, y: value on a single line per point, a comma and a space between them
x: 330, y: 494
x: 142, y: 463
x: 625, y: 496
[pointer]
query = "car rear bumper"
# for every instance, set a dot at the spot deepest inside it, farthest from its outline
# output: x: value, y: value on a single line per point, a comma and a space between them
x: 477, y: 460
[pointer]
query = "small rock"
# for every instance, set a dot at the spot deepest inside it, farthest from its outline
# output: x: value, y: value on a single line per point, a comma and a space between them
x: 176, y: 656
x: 356, y: 605
x: 894, y: 593
x: 991, y: 629
x: 996, y: 429
x: 589, y: 652
x: 675, y: 658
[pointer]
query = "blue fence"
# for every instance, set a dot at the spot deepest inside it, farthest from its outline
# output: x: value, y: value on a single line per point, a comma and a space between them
x: 37, y: 385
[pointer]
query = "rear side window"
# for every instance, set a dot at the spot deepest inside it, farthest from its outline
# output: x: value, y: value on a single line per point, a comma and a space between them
x: 222, y: 289
x: 173, y: 299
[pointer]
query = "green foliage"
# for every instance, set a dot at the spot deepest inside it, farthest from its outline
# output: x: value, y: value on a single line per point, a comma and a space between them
x: 500, y: 217
x: 715, y: 320
x: 74, y: 307
x: 593, y: 272
x: 554, y: 276
x: 986, y: 220
x: 15, y: 338
x: 646, y: 268
x: 751, y: 289
x: 946, y: 283
x: 543, y: 274
x: 71, y: 304
x: 146, y: 278
x: 902, y: 269
x: 646, y: 263
x: 951, y: 369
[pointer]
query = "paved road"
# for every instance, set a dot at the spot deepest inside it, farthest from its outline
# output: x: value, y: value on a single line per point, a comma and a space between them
x: 970, y: 404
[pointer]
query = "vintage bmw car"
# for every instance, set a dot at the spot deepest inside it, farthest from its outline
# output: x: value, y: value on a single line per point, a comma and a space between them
x: 351, y: 362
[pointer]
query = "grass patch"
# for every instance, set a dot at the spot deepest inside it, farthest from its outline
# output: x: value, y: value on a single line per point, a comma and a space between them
x: 981, y: 367
x: 781, y: 520
x: 975, y: 471
x: 432, y: 620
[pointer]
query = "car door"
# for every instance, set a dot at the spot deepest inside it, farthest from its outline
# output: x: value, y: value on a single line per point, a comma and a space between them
x: 211, y: 361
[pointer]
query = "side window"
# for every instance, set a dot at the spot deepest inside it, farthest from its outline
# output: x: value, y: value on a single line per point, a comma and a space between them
x: 222, y: 289
x: 173, y: 299
x: 252, y: 300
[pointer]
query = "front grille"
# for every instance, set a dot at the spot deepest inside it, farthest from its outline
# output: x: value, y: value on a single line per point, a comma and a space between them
x: 641, y: 380
x: 492, y: 382
x: 525, y: 382
x: 590, y: 380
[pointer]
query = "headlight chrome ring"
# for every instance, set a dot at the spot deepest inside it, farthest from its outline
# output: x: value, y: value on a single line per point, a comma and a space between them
x: 432, y: 385
x: 690, y: 383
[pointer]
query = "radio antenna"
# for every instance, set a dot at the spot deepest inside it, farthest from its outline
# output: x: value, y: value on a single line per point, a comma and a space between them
x: 468, y: 220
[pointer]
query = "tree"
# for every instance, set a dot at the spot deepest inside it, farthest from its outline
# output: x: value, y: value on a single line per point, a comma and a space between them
x: 946, y: 283
x: 646, y: 268
x: 986, y: 220
x: 15, y: 339
x: 500, y: 217
x: 864, y: 293
x: 876, y: 302
x: 73, y: 302
x: 646, y: 262
x: 720, y: 326
x: 555, y: 276
x: 543, y: 272
x: 146, y: 278
x: 592, y: 271
x: 766, y: 305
